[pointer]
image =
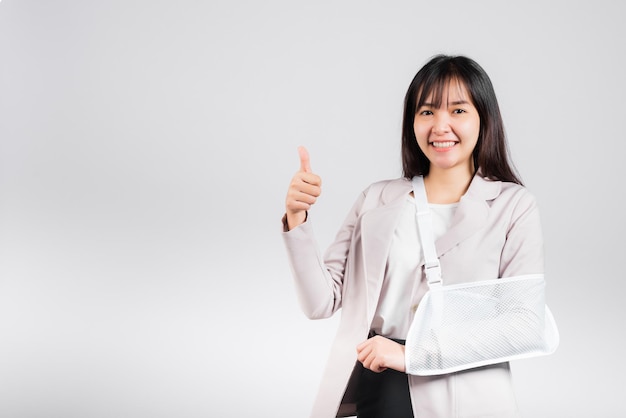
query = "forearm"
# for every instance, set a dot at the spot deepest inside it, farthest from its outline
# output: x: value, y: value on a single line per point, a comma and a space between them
x: 318, y: 291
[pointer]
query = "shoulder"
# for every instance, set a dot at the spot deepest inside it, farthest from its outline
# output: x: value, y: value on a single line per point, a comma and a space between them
x: 381, y: 193
x: 515, y: 199
x: 517, y: 193
x: 496, y: 190
x: 388, y: 190
x: 502, y: 196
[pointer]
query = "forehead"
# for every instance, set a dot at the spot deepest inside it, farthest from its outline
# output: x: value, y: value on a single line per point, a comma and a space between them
x: 444, y: 91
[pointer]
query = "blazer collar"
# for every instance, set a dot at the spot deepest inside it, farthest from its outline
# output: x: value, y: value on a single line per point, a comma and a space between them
x: 483, y: 188
x: 471, y: 215
x: 480, y: 188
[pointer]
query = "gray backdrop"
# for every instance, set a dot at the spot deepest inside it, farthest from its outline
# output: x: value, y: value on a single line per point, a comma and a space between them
x: 145, y: 151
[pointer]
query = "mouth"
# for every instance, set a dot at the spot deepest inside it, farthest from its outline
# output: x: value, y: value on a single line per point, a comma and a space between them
x: 443, y: 144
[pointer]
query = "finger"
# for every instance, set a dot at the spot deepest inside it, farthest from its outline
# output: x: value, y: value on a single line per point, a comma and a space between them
x: 367, y: 361
x: 374, y: 363
x: 303, y: 192
x: 363, y: 352
x: 362, y: 345
x: 307, y: 182
x: 298, y: 205
x: 305, y: 163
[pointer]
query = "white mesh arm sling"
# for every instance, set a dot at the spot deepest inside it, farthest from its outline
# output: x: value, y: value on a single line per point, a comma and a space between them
x: 474, y: 324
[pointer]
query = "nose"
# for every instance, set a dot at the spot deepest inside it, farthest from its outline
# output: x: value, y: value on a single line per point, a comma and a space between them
x: 441, y: 123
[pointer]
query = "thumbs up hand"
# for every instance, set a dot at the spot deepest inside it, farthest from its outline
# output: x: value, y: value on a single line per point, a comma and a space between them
x: 303, y: 191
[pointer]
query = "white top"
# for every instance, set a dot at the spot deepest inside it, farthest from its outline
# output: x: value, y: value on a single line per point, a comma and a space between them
x: 393, y: 314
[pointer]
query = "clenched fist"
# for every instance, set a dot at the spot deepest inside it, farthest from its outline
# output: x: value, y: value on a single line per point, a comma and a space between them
x: 380, y: 353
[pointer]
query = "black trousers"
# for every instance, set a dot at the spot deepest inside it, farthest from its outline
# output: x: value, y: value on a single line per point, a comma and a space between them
x: 383, y: 395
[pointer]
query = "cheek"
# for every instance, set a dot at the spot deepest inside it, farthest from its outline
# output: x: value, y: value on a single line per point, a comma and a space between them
x: 471, y: 128
x: 477, y: 126
x: 420, y: 130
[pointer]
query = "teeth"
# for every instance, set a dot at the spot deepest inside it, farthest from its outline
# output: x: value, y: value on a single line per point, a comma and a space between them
x: 443, y: 144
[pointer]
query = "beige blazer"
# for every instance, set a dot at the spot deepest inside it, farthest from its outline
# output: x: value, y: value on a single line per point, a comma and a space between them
x: 495, y: 232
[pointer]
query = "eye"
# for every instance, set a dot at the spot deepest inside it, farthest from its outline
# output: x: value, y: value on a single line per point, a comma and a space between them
x: 425, y: 113
x: 458, y: 111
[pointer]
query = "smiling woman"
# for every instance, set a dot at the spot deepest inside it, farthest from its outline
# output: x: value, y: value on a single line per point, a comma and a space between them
x: 462, y: 88
x: 447, y: 134
x: 486, y: 224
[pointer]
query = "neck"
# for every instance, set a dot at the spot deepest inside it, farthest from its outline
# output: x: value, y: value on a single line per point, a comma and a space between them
x: 447, y: 186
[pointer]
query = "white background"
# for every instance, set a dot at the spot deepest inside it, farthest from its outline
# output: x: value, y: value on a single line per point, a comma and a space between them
x: 145, y: 151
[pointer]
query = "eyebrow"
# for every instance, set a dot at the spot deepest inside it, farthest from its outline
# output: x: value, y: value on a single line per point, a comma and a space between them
x: 455, y: 103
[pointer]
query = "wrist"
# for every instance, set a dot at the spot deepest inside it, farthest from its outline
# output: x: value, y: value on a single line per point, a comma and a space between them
x: 292, y: 220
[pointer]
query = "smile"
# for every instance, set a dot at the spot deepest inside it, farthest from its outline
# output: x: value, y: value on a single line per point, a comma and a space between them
x: 442, y: 144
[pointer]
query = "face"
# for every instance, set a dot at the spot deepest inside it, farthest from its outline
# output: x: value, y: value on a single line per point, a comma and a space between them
x: 448, y: 134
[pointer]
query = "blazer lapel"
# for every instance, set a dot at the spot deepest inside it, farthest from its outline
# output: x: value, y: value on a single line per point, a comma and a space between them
x: 471, y: 214
x: 377, y: 228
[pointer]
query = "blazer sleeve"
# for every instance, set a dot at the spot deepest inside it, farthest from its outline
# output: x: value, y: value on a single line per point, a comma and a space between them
x: 319, y: 280
x: 523, y: 251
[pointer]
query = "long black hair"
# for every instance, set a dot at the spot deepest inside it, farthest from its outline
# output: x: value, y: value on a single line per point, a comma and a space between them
x: 491, y: 154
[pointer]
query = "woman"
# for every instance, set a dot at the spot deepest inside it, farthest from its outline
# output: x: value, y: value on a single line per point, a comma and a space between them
x: 486, y: 225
